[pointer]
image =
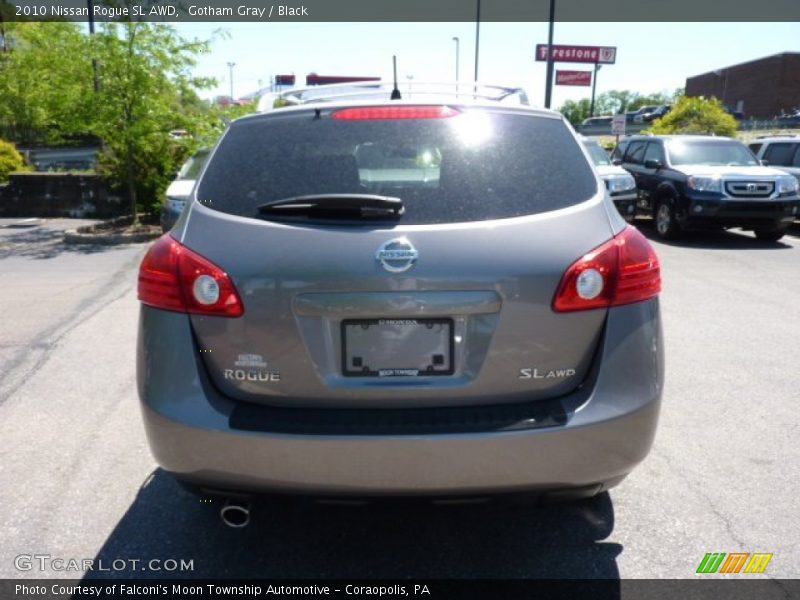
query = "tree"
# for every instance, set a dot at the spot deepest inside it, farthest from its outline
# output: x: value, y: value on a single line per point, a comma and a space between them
x: 10, y: 160
x: 145, y: 85
x: 575, y: 112
x: 696, y: 115
x: 45, y: 82
x: 620, y: 101
x: 614, y: 102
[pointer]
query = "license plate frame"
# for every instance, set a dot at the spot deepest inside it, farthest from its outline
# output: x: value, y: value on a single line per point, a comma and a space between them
x: 441, y: 341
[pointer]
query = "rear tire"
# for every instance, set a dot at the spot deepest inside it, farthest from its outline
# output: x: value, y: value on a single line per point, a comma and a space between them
x: 667, y: 226
x: 770, y: 235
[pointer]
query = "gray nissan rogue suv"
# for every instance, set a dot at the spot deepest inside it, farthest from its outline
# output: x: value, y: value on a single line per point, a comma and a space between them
x: 397, y: 297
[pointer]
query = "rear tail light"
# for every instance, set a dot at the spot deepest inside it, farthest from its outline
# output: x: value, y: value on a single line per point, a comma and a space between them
x: 394, y: 112
x: 624, y: 270
x: 173, y: 277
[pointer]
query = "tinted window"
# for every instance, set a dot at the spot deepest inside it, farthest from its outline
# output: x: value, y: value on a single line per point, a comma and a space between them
x: 755, y: 148
x: 712, y: 153
x: 475, y: 166
x: 654, y: 152
x: 781, y: 154
x: 635, y: 153
x: 619, y: 151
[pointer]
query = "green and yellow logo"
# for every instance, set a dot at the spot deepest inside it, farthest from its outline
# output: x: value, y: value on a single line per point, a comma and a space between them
x: 735, y: 562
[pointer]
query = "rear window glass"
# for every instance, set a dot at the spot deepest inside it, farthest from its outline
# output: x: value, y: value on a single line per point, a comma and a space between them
x: 476, y: 166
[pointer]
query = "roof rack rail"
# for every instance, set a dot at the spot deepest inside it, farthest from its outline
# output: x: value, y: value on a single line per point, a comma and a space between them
x: 778, y: 135
x: 383, y: 89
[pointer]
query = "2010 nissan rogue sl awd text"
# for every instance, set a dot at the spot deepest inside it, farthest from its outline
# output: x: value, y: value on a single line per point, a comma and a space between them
x: 392, y: 297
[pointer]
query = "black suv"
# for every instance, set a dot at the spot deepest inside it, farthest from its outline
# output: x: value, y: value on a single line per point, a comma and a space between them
x: 702, y: 182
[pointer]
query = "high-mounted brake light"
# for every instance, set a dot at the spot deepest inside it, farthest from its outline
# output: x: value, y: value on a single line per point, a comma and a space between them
x: 367, y: 113
x: 624, y: 270
x: 173, y: 277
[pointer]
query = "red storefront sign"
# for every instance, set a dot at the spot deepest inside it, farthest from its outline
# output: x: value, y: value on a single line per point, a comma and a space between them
x: 605, y: 55
x: 573, y: 78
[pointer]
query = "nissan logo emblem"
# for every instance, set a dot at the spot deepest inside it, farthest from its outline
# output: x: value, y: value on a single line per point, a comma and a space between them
x: 397, y: 255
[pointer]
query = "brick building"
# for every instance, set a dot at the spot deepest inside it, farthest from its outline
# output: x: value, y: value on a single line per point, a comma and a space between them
x: 761, y: 88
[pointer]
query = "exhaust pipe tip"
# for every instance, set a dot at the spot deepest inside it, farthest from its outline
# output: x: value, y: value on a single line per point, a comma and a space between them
x: 235, y: 514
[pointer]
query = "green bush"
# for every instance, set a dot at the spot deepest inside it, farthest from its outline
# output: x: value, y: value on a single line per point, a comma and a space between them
x: 10, y: 160
x: 696, y: 115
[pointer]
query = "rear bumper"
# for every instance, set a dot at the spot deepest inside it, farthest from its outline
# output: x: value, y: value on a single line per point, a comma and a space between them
x: 609, y: 428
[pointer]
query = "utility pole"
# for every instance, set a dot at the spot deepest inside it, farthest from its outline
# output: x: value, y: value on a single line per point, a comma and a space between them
x: 90, y: 7
x: 230, y: 71
x: 457, y: 41
x: 477, y: 40
x: 597, y: 67
x: 548, y: 90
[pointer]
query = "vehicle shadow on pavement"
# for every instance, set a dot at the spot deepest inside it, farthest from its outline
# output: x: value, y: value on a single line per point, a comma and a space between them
x: 301, y: 539
x: 712, y: 240
x: 43, y: 243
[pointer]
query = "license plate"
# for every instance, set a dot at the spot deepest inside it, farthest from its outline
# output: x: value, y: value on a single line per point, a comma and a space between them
x: 397, y: 347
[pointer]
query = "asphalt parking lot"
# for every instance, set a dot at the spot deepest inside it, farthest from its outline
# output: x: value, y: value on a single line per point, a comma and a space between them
x: 78, y: 480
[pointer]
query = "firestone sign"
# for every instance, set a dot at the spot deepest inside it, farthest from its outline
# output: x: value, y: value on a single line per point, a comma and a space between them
x: 604, y: 55
x: 574, y: 78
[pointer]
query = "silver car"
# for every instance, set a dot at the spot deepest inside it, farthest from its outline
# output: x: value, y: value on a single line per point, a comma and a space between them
x: 620, y: 184
x: 180, y: 190
x: 400, y: 297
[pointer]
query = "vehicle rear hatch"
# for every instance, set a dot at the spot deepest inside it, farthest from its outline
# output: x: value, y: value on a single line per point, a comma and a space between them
x: 449, y: 303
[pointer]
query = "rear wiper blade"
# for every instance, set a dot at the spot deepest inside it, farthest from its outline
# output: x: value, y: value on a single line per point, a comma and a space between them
x: 335, y: 206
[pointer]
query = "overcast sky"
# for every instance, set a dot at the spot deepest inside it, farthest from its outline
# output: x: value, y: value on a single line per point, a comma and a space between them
x: 651, y: 57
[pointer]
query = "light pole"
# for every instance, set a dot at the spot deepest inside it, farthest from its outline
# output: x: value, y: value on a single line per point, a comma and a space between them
x: 457, y: 41
x: 477, y: 44
x: 597, y: 67
x: 230, y: 71
x: 548, y: 90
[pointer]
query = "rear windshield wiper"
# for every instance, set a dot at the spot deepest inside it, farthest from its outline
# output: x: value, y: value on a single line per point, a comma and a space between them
x: 335, y: 206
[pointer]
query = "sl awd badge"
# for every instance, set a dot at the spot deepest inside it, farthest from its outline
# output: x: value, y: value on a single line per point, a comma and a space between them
x: 552, y: 374
x: 397, y: 255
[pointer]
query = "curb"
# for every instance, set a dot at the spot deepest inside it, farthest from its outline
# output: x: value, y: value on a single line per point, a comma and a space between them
x: 93, y: 234
x: 73, y: 236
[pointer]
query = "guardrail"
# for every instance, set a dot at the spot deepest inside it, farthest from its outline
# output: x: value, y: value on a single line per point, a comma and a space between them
x: 751, y: 124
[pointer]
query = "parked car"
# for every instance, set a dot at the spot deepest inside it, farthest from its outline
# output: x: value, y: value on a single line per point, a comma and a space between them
x: 791, y: 119
x: 648, y: 114
x: 180, y: 189
x: 782, y: 152
x: 696, y: 182
x: 620, y: 184
x: 421, y: 297
x: 631, y: 115
x: 596, y: 126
